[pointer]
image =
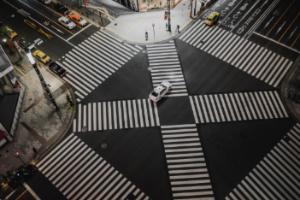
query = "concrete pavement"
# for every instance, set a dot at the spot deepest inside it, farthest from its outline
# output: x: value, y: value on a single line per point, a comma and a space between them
x: 39, y: 125
x: 133, y: 27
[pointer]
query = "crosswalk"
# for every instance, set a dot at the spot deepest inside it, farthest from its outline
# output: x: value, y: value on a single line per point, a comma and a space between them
x: 187, y: 169
x: 241, y: 53
x: 121, y: 114
x: 94, y: 60
x: 215, y: 108
x: 277, y: 175
x: 79, y: 173
x: 165, y: 65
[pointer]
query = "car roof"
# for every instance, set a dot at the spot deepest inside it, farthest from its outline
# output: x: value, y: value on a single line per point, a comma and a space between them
x: 74, y: 14
x: 213, y: 14
x: 159, y: 88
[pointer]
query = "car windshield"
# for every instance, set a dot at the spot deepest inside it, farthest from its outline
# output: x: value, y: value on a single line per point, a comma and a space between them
x: 154, y: 94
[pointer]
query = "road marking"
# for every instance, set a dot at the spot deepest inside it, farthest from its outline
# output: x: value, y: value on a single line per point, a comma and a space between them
x: 291, y: 24
x: 274, y: 177
x: 275, y: 24
x: 293, y: 44
x: 41, y: 14
x: 28, y: 188
x: 279, y: 43
x: 260, y: 20
x: 42, y: 25
x: 79, y: 172
x: 75, y: 34
x: 232, y: 10
x: 245, y: 15
x: 245, y: 105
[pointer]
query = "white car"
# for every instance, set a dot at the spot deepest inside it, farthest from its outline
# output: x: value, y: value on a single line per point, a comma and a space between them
x: 67, y: 23
x: 160, y: 91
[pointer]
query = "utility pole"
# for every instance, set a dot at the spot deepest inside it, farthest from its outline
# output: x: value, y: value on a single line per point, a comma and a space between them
x: 169, y: 15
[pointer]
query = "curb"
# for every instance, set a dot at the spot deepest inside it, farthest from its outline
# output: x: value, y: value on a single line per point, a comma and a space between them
x: 54, y: 141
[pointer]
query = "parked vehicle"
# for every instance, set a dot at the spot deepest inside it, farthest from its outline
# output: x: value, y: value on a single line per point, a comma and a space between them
x: 60, y: 8
x: 6, y: 31
x: 76, y: 17
x: 160, y: 91
x: 47, y: 2
x: 212, y: 18
x: 41, y: 56
x: 30, y: 23
x: 24, y: 44
x: 67, y: 23
x: 57, y: 69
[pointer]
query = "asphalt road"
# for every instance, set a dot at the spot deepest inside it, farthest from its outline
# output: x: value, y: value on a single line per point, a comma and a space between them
x: 119, y: 125
x: 273, y: 21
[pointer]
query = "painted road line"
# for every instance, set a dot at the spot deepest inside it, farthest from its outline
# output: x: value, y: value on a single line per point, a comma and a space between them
x: 188, y: 174
x: 288, y: 28
x: 279, y: 43
x: 78, y: 32
x: 260, y: 20
x: 119, y: 114
x: 237, y: 107
x: 95, y: 177
x: 276, y: 175
x: 33, y: 194
x: 165, y: 65
x: 41, y: 24
x: 41, y: 14
x: 295, y: 41
x: 279, y: 19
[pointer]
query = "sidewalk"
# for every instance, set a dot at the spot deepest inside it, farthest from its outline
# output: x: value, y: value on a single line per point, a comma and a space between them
x: 132, y: 27
x: 39, y: 125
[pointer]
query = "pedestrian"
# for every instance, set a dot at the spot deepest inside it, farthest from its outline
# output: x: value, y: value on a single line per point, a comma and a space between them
x: 178, y: 29
x: 146, y: 36
x: 34, y: 151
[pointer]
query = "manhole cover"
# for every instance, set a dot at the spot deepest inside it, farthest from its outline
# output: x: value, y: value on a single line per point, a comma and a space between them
x: 103, y: 145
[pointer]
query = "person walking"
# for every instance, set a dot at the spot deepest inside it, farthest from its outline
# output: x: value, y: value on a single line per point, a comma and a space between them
x: 178, y: 29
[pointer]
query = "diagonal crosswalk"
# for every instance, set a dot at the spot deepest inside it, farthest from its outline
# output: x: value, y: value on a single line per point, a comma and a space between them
x: 187, y: 169
x: 94, y: 60
x: 277, y: 175
x: 121, y: 114
x: 215, y: 108
x: 243, y: 54
x: 165, y: 65
x: 79, y: 173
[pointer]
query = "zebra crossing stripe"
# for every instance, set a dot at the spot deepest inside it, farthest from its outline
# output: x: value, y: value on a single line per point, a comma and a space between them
x: 216, y: 108
x: 78, y: 172
x: 95, y: 59
x: 165, y: 65
x: 122, y: 114
x: 187, y: 169
x: 276, y: 176
x: 245, y: 55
